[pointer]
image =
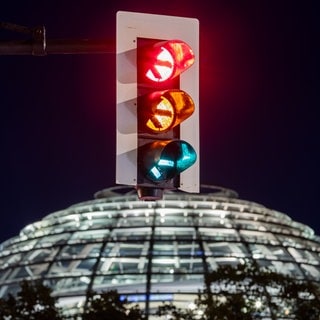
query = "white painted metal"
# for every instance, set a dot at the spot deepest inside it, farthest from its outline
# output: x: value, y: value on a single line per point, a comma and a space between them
x: 130, y: 26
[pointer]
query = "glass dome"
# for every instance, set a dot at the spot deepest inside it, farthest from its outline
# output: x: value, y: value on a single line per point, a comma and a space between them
x: 153, y: 251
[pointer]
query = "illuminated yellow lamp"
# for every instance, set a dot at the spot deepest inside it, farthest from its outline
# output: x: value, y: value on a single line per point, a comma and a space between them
x: 166, y: 109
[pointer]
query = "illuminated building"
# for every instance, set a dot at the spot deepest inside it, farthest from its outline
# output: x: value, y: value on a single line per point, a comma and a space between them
x: 153, y: 251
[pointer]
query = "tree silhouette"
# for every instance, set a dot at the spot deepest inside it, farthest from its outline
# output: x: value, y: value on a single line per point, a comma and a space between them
x: 248, y: 292
x: 244, y: 292
x: 174, y: 313
x: 109, y: 305
x: 33, y: 302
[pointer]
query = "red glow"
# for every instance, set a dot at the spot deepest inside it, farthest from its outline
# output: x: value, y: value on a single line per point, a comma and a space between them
x: 167, y: 59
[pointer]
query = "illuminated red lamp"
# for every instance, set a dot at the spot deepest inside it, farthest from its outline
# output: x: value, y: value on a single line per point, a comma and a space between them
x: 165, y: 60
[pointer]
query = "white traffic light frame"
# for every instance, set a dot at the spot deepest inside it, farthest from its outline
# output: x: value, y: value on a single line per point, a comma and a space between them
x: 130, y: 26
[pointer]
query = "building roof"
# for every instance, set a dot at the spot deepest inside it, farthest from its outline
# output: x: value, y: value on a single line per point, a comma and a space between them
x: 154, y: 251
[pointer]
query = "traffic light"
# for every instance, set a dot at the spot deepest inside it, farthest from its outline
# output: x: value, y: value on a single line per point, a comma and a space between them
x: 157, y: 103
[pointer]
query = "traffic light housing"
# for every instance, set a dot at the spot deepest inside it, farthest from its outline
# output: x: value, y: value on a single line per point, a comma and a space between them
x: 157, y: 103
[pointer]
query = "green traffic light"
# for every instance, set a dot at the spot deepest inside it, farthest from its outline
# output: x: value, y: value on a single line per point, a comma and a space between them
x: 167, y: 159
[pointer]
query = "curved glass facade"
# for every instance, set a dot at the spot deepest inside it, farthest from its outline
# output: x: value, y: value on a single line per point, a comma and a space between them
x: 152, y: 252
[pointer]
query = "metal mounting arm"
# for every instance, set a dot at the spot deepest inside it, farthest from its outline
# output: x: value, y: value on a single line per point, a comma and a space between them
x: 38, y: 45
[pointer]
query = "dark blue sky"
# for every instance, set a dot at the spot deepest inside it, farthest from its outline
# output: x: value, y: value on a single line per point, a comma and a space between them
x: 259, y: 94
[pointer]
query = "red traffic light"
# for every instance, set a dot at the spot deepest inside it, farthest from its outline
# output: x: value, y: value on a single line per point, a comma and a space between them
x: 157, y: 75
x: 161, y: 107
x: 165, y: 60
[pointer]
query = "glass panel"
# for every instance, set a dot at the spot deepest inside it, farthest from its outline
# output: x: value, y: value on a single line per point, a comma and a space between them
x: 80, y: 250
x: 189, y: 249
x: 131, y: 234
x: 4, y: 274
x: 311, y: 272
x: 123, y: 283
x: 173, y: 265
x: 29, y: 271
x: 214, y: 262
x: 133, y: 221
x: 300, y: 243
x: 56, y: 239
x: 215, y: 234
x: 20, y: 246
x: 164, y: 248
x: 226, y: 249
x: 177, y: 233
x: 177, y: 248
x: 39, y: 255
x: 11, y: 260
x: 212, y: 221
x: 94, y: 235
x: 164, y: 264
x: 66, y: 285
x: 127, y: 249
x: 191, y: 265
x: 122, y: 265
x: 304, y: 256
x: 169, y: 283
x: 174, y: 220
x: 286, y: 268
x: 258, y: 237
x: 269, y: 252
x: 76, y: 267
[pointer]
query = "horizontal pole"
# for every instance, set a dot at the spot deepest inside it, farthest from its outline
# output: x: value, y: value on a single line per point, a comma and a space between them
x: 57, y: 46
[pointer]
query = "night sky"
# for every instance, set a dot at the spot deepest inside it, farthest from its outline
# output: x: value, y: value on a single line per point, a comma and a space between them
x: 259, y: 95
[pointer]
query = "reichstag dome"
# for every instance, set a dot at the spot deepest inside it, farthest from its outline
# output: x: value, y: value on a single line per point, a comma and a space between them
x: 153, y: 251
